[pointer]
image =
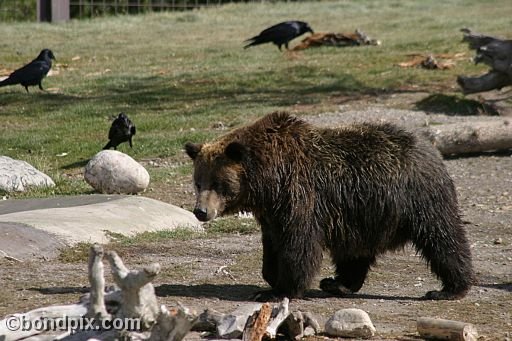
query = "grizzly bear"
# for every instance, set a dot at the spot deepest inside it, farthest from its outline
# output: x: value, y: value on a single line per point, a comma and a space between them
x: 357, y: 191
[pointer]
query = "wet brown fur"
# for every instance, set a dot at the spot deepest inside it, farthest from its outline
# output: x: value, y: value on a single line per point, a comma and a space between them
x: 357, y: 191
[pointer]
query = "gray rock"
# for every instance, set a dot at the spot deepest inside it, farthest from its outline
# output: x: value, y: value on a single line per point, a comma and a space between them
x: 16, y: 175
x: 40, y: 227
x: 350, y: 323
x: 231, y: 326
x: 111, y: 171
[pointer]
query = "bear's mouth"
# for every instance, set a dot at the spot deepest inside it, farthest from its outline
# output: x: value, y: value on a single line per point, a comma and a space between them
x: 204, y: 214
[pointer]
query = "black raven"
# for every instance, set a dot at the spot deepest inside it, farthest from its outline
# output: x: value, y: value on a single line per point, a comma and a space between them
x: 32, y: 73
x: 280, y: 34
x: 122, y: 130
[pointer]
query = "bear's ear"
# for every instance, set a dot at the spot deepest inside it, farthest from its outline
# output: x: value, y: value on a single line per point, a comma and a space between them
x: 193, y: 149
x: 236, y: 151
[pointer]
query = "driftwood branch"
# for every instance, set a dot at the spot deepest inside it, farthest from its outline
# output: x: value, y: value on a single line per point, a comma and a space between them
x: 7, y: 333
x: 134, y: 301
x: 494, y: 52
x: 446, y: 329
x: 138, y: 294
x: 97, y: 308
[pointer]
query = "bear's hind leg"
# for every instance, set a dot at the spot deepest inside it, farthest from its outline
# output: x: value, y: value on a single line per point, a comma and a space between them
x: 350, y: 276
x: 450, y: 260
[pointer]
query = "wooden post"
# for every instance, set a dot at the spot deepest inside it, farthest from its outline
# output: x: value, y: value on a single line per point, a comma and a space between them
x: 44, y: 10
x: 60, y: 10
x: 52, y: 10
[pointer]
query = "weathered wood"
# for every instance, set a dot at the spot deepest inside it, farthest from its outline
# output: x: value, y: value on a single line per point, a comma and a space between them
x: 138, y: 294
x: 257, y: 323
x: 97, y: 308
x: 494, y: 52
x: 71, y: 312
x: 446, y: 329
x: 172, y: 324
x: 487, y: 82
x: 279, y: 314
x: 294, y: 327
x: 471, y: 137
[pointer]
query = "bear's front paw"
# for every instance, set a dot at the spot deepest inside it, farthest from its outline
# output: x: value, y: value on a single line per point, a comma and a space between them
x: 266, y: 296
x: 331, y: 286
x: 444, y: 295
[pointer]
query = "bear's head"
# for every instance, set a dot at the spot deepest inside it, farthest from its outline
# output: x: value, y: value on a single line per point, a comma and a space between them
x: 218, y: 175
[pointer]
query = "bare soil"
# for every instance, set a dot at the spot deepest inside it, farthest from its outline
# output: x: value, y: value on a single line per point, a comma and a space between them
x: 222, y: 273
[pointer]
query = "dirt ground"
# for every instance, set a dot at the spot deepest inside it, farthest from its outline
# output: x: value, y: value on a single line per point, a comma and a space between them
x: 222, y: 273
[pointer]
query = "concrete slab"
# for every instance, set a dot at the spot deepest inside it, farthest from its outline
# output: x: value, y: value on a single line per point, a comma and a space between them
x: 37, y: 226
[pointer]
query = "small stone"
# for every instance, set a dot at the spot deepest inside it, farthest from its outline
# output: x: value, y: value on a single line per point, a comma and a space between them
x: 498, y: 241
x: 111, y: 171
x: 350, y: 322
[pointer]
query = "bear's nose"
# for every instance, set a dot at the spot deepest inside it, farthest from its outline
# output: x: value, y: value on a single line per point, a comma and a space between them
x: 201, y: 214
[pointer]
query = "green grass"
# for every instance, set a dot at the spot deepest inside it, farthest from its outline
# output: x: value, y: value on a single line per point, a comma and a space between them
x: 172, y: 72
x: 216, y: 228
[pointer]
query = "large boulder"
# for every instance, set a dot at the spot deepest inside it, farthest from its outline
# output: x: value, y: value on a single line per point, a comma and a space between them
x: 17, y: 175
x: 111, y: 171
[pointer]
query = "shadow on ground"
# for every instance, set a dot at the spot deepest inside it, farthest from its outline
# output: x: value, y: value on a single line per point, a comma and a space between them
x: 243, y: 292
x: 454, y: 105
x: 61, y: 290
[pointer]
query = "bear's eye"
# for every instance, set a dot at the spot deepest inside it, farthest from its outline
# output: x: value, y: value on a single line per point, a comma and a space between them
x: 198, y: 186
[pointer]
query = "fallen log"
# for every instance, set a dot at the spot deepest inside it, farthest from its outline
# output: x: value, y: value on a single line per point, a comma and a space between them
x: 440, y: 329
x: 494, y: 52
x: 471, y: 137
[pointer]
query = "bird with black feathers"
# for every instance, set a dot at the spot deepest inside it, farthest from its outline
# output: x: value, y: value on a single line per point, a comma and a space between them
x: 122, y: 130
x: 33, y: 73
x: 280, y: 34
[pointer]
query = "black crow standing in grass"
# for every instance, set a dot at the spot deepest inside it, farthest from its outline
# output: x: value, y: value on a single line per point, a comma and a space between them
x: 280, y: 34
x: 33, y: 73
x: 122, y: 130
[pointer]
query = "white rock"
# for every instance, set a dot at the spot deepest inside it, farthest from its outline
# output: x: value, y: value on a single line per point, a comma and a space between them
x: 350, y: 323
x: 16, y: 175
x: 111, y: 171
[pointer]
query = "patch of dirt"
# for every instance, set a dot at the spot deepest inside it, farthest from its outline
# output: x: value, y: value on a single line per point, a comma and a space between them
x: 222, y: 273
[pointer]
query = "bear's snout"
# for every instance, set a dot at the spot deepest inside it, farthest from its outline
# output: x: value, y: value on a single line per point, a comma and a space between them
x: 201, y: 214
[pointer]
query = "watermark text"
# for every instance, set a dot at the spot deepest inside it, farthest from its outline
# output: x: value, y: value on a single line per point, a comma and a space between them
x: 70, y: 324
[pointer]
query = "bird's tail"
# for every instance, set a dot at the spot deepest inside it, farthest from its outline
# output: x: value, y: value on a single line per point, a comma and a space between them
x: 6, y: 82
x: 252, y: 43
